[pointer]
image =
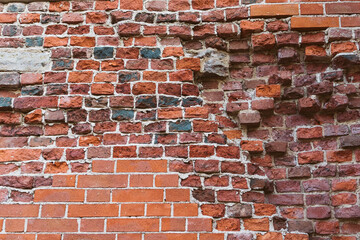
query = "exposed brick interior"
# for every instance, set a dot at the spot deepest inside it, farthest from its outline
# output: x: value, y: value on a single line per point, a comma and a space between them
x: 180, y: 120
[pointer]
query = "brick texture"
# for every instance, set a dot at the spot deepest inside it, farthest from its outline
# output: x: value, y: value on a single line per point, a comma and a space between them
x: 180, y: 119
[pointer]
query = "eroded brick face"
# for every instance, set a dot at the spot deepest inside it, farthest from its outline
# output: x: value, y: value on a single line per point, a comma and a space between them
x: 180, y: 119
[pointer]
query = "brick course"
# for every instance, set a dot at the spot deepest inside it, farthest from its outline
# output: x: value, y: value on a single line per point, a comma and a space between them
x: 180, y: 119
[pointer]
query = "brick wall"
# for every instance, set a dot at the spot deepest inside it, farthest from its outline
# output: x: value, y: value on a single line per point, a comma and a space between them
x: 180, y: 120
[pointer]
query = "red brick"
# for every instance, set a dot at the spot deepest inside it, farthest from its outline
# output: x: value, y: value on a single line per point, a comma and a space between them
x: 342, y: 8
x: 311, y: 157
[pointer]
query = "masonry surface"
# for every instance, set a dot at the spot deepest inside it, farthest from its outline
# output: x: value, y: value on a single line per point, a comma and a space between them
x: 180, y: 120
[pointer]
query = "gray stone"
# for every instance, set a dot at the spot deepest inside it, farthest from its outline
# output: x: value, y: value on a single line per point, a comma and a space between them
x: 24, y: 60
x: 239, y: 211
x: 215, y: 62
x: 9, y: 80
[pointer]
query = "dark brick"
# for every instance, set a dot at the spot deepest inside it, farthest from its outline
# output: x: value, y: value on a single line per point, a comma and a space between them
x: 239, y: 211
x: 103, y: 52
x: 152, y: 53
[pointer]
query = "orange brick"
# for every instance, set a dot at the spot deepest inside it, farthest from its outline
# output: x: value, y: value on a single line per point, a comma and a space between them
x: 169, y: 113
x: 254, y: 224
x: 102, y: 181
x: 170, y: 180
x: 172, y: 236
x: 313, y: 23
x: 27, y: 18
x: 173, y: 52
x: 131, y: 166
x: 103, y: 166
x: 196, y: 112
x: 188, y: 63
x: 19, y: 154
x: 132, y: 210
x: 264, y: 209
x: 70, y: 102
x: 130, y: 236
x: 343, y: 47
x: 233, y: 134
x: 14, y: 225
x: 20, y: 237
x: 141, y: 180
x: 311, y: 9
x: 264, y: 10
x: 270, y: 235
x: 185, y: 209
x: 89, y: 236
x: 102, y: 89
x: 105, y: 77
x: 131, y: 4
x: 64, y: 181
x: 155, y: 76
x: 52, y: 225
x: 92, y: 225
x: 93, y: 210
x: 60, y: 6
x: 133, y: 225
x: 172, y: 224
x: 55, y: 42
x: 158, y: 209
x: 211, y: 236
x: 80, y: 77
x: 82, y: 41
x: 53, y: 211
x: 138, y: 195
x: 273, y: 90
x: 350, y: 21
x: 145, y: 41
x: 252, y: 146
x: 228, y: 224
x: 177, y: 195
x: 8, y: 17
x: 48, y: 236
x: 25, y: 210
x: 294, y: 236
x: 59, y: 195
x: 199, y: 224
x: 98, y: 195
